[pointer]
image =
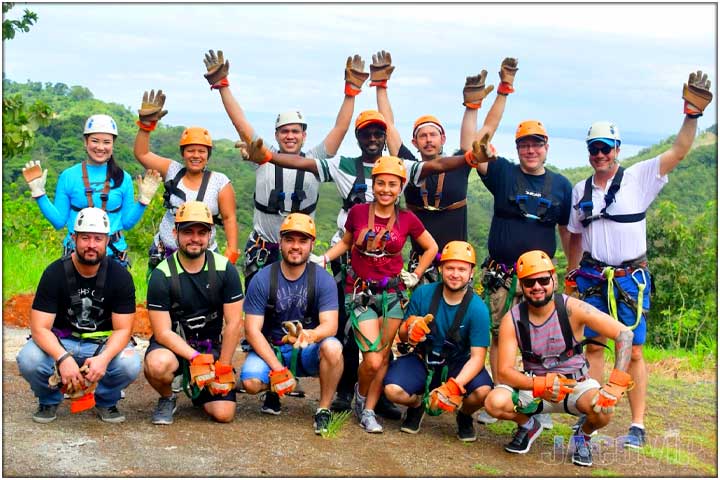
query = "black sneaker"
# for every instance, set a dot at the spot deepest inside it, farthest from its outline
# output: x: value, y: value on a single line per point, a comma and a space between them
x: 342, y: 402
x: 466, y: 429
x: 413, y: 419
x: 635, y: 438
x: 271, y: 404
x: 583, y: 451
x: 298, y: 391
x: 110, y: 414
x: 524, y: 437
x: 386, y: 409
x: 322, y: 420
x: 45, y: 414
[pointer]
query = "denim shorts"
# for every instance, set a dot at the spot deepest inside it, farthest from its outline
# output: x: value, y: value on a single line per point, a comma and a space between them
x: 308, y: 362
x: 410, y: 373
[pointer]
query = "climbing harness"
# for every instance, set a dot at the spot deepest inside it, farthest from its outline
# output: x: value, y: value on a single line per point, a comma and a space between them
x: 431, y: 274
x: 497, y: 275
x: 258, y: 254
x: 373, y: 243
x: 276, y: 199
x: 521, y: 196
x: 357, y: 192
x: 437, y: 198
x: 171, y: 188
x: 586, y: 203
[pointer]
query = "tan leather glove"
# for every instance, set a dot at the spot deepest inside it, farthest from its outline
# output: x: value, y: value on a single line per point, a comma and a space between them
x: 355, y: 75
x: 151, y: 108
x: 35, y: 177
x: 697, y: 94
x: 508, y: 69
x: 475, y: 90
x: 381, y: 69
x: 217, y: 69
x: 482, y: 152
x: 254, y: 151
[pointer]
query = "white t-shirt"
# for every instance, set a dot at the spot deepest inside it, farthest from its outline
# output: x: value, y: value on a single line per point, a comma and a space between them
x: 612, y: 242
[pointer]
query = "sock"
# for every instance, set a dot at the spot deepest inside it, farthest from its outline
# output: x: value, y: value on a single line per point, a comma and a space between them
x: 527, y: 424
x: 638, y: 425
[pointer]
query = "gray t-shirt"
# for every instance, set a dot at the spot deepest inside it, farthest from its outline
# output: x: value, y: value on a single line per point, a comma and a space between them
x: 216, y: 183
x: 268, y: 225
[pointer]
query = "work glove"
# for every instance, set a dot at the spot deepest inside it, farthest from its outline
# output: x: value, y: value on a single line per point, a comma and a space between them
x: 605, y: 399
x: 224, y: 380
x: 217, y: 69
x: 417, y: 328
x: 297, y: 336
x: 482, y: 152
x: 381, y: 69
x: 254, y: 152
x: 282, y: 381
x: 232, y: 255
x: 202, y: 369
x: 82, y: 397
x: 35, y: 177
x: 410, y: 279
x: 552, y: 387
x: 319, y: 259
x: 151, y: 108
x: 571, y: 285
x: 448, y: 396
x: 148, y: 185
x: 507, y: 72
x: 475, y: 90
x: 697, y: 94
x: 355, y: 75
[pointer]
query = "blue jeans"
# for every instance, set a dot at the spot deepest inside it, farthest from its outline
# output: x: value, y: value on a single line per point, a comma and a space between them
x: 36, y: 367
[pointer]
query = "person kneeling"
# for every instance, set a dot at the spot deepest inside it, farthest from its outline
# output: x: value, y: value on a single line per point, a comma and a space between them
x: 450, y: 342
x: 544, y: 327
x: 291, y: 315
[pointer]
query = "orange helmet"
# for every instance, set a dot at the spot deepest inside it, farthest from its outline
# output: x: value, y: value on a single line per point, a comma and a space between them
x: 369, y: 117
x: 193, y: 212
x: 390, y: 165
x: 531, y: 128
x: 195, y: 136
x: 298, y: 222
x: 457, y: 250
x: 427, y: 120
x: 532, y: 262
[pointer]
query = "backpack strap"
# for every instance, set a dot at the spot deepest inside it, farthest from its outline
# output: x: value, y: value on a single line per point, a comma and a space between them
x: 356, y: 195
x: 203, y: 185
x: 520, y: 196
x: 175, y: 292
x: 171, y: 188
x: 586, y: 203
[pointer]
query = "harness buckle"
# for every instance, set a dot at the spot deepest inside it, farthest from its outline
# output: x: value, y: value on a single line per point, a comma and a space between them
x: 195, y: 323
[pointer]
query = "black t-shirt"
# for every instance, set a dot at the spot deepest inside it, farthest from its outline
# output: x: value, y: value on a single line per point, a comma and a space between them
x: 53, y: 296
x: 512, y: 234
x: 194, y: 288
x: 444, y: 226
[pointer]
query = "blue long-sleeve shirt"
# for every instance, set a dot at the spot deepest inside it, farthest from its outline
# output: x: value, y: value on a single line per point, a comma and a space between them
x: 123, y: 211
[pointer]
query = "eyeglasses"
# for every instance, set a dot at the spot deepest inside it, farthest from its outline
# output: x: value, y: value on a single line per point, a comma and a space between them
x: 605, y: 149
x: 530, y: 282
x: 530, y: 146
x: 366, y: 134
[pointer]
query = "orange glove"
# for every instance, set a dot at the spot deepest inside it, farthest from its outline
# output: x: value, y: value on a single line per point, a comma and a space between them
x: 224, y: 381
x: 482, y: 152
x: 232, y: 255
x: 448, y: 396
x: 201, y: 369
x: 619, y: 382
x: 417, y: 328
x: 697, y: 94
x: 508, y: 69
x: 553, y: 387
x: 282, y: 381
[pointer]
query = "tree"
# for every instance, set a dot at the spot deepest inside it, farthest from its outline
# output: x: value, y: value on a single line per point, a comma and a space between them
x: 10, y: 27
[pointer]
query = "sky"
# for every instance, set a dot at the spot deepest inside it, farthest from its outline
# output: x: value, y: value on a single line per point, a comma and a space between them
x: 578, y: 63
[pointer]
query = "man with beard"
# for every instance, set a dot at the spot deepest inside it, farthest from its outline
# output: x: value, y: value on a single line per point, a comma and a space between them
x: 290, y: 323
x: 188, y: 296
x: 544, y: 328
x: 81, y: 322
x: 448, y: 325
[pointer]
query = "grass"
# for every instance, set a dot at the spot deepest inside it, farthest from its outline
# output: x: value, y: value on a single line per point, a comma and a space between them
x: 337, y: 420
x: 604, y: 472
x: 22, y: 269
x: 488, y: 470
x: 676, y: 456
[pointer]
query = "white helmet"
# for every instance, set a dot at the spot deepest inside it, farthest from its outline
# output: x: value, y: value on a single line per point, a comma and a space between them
x: 100, y: 124
x: 604, y: 131
x: 92, y: 220
x: 291, y: 116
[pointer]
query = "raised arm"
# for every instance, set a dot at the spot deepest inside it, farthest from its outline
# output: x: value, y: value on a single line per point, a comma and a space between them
x: 380, y: 72
x: 354, y: 78
x: 697, y: 96
x: 149, y: 114
x: 473, y: 94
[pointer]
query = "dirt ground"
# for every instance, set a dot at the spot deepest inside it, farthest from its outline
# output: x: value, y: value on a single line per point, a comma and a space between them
x: 258, y: 445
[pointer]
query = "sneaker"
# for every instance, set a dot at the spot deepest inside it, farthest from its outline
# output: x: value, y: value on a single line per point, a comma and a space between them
x: 583, y: 451
x: 524, y: 437
x: 45, y: 414
x: 545, y: 420
x: 110, y: 414
x: 358, y: 403
x: 485, y: 418
x: 413, y: 419
x: 298, y: 391
x: 465, y: 427
x: 386, y: 409
x: 368, y: 421
x: 635, y: 438
x: 271, y: 403
x: 177, y: 384
x: 342, y: 402
x: 322, y: 420
x: 166, y: 408
x: 578, y: 425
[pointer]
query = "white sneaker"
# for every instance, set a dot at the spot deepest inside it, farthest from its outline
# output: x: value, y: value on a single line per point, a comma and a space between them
x: 485, y: 418
x: 369, y: 422
x: 545, y: 420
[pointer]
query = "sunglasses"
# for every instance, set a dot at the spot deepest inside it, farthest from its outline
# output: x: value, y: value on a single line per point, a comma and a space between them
x: 366, y: 134
x: 530, y: 282
x: 605, y: 149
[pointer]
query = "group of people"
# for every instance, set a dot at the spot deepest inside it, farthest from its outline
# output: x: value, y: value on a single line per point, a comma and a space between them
x: 421, y: 330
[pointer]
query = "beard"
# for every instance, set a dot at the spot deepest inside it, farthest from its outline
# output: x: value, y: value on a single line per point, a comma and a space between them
x: 540, y: 303
x: 193, y: 255
x: 301, y: 261
x: 456, y: 289
x: 86, y: 261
